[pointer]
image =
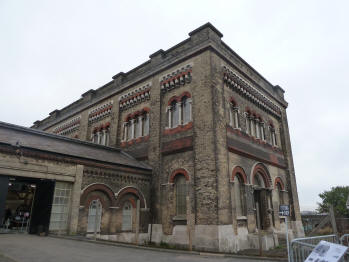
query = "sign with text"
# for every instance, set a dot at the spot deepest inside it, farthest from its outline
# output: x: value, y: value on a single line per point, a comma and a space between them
x: 327, y: 252
x: 284, y: 210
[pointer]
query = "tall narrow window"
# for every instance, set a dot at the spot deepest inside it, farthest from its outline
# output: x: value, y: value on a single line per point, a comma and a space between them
x: 239, y: 195
x: 100, y: 137
x: 138, y: 125
x: 127, y: 217
x: 186, y: 103
x: 181, y: 193
x: 252, y: 125
x: 94, y: 216
x: 129, y: 130
x: 174, y: 114
x: 273, y: 136
x: 262, y: 131
x: 280, y: 194
x: 258, y: 134
x: 106, y: 136
x: 247, y: 119
x: 146, y: 124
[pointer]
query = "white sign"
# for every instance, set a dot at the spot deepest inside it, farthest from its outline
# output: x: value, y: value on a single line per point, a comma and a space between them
x: 284, y: 210
x: 326, y: 252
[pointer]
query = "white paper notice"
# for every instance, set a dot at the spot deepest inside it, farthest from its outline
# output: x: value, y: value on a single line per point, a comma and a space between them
x: 326, y: 252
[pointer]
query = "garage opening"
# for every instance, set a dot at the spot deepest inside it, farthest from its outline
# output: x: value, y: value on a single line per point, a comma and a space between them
x: 25, y: 204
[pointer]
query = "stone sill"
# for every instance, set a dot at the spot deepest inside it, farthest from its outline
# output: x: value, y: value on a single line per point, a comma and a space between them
x: 241, y: 218
x: 179, y: 218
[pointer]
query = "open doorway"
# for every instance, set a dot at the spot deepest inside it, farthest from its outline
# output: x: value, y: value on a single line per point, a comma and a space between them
x: 27, y: 205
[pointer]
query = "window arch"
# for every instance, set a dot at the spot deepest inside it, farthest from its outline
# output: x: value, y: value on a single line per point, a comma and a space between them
x: 127, y: 210
x: 179, y: 110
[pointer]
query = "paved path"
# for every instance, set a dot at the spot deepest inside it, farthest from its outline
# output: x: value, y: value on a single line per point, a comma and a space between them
x: 31, y: 248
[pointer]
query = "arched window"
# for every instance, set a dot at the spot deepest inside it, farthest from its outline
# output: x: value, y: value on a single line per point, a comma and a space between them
x: 273, y: 139
x: 181, y: 194
x: 280, y: 194
x: 127, y: 216
x: 179, y: 111
x: 145, y: 124
x: 136, y: 126
x: 262, y: 129
x: 186, y: 104
x: 234, y: 115
x: 100, y: 135
x: 130, y: 129
x: 247, y: 123
x: 94, y: 216
x: 239, y: 189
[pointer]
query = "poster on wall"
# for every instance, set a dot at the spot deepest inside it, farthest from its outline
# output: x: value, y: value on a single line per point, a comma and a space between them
x: 327, y: 252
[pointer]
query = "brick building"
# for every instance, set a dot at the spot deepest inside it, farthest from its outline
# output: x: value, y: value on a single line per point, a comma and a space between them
x: 215, y: 134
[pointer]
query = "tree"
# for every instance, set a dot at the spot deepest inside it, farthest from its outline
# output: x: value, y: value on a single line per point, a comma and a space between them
x: 337, y: 197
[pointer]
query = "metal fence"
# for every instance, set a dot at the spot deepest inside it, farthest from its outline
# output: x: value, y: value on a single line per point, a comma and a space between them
x: 301, y: 248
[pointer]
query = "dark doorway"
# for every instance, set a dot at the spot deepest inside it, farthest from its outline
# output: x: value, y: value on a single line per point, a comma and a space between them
x: 261, y: 196
x: 25, y: 204
x: 258, y: 200
x: 41, y: 211
x: 3, y: 196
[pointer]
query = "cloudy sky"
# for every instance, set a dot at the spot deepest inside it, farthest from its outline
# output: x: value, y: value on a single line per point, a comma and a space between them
x: 53, y: 51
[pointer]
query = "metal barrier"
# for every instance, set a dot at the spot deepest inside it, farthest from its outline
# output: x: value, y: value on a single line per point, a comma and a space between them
x: 301, y: 248
x: 345, y: 240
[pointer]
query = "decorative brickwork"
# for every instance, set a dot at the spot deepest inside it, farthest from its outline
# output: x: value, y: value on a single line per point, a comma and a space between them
x: 177, y: 78
x: 278, y: 180
x: 241, y: 171
x: 135, y: 97
x: 100, y: 112
x: 133, y: 191
x: 245, y: 89
x: 261, y: 169
x: 180, y: 171
x: 98, y: 187
x: 68, y: 127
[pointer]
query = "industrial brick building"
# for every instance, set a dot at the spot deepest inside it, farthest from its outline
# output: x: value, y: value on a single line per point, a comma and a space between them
x: 214, y: 134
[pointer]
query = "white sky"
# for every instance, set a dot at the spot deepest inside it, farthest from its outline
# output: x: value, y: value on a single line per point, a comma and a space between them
x: 53, y: 51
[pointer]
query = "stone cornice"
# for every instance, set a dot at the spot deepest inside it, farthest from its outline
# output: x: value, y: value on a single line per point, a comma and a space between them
x: 241, y: 86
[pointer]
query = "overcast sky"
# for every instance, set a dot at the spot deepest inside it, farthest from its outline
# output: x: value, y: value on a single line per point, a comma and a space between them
x: 53, y: 51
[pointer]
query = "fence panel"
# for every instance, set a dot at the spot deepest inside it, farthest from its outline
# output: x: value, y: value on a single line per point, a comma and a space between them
x: 301, y: 248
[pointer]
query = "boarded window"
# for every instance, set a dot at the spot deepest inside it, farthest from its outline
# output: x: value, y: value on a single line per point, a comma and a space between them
x: 94, y: 216
x: 127, y: 217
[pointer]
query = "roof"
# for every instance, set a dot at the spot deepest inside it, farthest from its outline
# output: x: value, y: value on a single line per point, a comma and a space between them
x: 35, y: 139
